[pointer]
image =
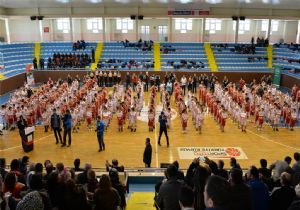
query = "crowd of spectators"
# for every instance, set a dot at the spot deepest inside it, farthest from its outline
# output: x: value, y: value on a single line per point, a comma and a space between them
x: 165, y: 49
x: 244, y: 49
x: 37, y: 186
x: 139, y: 45
x: 79, y: 45
x: 209, y: 186
x: 131, y: 64
x: 260, y: 42
x: 184, y: 64
x: 71, y: 60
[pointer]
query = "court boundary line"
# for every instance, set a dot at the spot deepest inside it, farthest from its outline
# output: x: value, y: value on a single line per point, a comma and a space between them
x: 40, y: 139
x: 275, y: 142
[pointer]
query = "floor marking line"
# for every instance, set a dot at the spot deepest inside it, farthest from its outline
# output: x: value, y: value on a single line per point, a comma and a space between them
x: 275, y: 142
x: 40, y: 139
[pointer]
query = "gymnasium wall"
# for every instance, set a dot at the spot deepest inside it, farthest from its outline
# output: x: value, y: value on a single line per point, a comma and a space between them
x: 2, y: 29
x: 22, y: 29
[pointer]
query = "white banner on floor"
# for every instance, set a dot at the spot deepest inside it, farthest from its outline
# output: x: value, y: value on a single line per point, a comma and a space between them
x: 211, y: 152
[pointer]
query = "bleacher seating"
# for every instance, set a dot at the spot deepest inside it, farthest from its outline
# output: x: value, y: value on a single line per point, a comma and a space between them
x: 184, y: 51
x: 286, y: 57
x: 48, y: 49
x: 234, y: 61
x: 117, y: 51
x: 15, y: 57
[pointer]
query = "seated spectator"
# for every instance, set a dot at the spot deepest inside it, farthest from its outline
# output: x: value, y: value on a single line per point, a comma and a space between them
x: 234, y: 164
x: 12, y: 185
x: 82, y: 178
x: 115, y: 164
x: 106, y: 197
x: 240, y: 192
x: 259, y: 191
x: 166, y: 198
x: 217, y: 193
x: 296, y: 166
x: 279, y: 167
x: 77, y: 165
x: 282, y: 197
x: 190, y: 172
x: 265, y: 174
x: 186, y: 198
x: 92, y: 182
x: 116, y: 184
x: 49, y: 170
x: 32, y: 201
x: 221, y: 171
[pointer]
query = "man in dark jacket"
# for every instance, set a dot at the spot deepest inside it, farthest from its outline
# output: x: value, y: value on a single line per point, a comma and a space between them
x: 147, y: 154
x: 56, y: 126
x: 167, y: 197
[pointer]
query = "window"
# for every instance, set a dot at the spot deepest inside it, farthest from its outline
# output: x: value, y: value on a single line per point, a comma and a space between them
x: 213, y: 25
x: 124, y: 25
x: 163, y: 33
x: 183, y: 25
x: 63, y: 24
x: 145, y: 32
x: 264, y: 25
x: 274, y: 25
x: 243, y: 26
x: 94, y: 24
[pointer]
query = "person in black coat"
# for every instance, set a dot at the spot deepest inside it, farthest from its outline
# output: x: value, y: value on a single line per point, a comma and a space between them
x: 147, y: 154
x: 56, y: 126
x: 34, y: 61
x: 22, y: 124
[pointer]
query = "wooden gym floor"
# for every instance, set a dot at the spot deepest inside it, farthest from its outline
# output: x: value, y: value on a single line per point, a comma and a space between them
x: 128, y: 147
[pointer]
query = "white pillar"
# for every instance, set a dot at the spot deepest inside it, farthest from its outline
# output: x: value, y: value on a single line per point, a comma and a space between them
x: 7, y: 30
x: 170, y: 34
x: 237, y: 28
x: 41, y: 30
x: 298, y: 33
x: 72, y: 37
x: 103, y: 29
x: 269, y: 29
x: 203, y: 29
x: 137, y: 29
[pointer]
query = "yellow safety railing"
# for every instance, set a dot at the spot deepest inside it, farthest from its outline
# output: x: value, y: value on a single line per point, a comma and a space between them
x: 210, y: 57
x: 2, y: 77
x: 98, y: 53
x: 156, y: 56
x: 37, y: 52
x: 270, y: 56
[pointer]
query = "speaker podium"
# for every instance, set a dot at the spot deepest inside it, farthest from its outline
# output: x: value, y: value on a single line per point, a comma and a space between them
x: 28, y: 141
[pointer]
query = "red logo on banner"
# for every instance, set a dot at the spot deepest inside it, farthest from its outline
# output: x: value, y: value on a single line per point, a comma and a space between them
x: 46, y: 30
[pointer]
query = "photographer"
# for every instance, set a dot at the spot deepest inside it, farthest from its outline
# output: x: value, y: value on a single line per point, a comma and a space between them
x: 163, y: 127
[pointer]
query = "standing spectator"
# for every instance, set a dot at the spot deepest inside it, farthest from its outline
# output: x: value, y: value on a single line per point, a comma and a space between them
x: 93, y: 55
x: 56, y: 126
x: 105, y: 196
x: 3, y: 172
x: 167, y: 197
x: 282, y: 197
x: 195, y: 81
x: 35, y: 65
x: 147, y: 154
x: 127, y: 80
x: 82, y: 178
x: 186, y: 198
x: 115, y: 164
x: 42, y: 63
x: 260, y: 195
x: 116, y: 184
x: 221, y: 171
x: 67, y: 119
x: 180, y: 175
x: 100, y: 126
x: 240, y: 192
x: 263, y: 168
x: 217, y: 193
x: 279, y: 167
x: 200, y: 177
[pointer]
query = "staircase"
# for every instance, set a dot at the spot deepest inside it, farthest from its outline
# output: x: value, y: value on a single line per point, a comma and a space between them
x: 210, y: 57
x: 37, y: 52
x: 156, y: 56
x: 270, y: 56
x: 98, y: 54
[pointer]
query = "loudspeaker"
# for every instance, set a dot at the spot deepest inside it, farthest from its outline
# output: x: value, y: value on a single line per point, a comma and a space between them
x: 140, y: 17
x: 40, y: 17
x: 132, y: 17
x: 235, y: 18
x: 33, y: 18
x: 242, y: 17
